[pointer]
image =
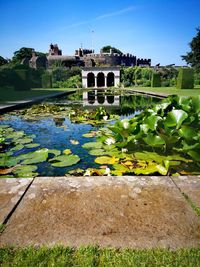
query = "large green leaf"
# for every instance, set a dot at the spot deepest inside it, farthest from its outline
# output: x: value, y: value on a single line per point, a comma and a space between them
x: 106, y: 160
x: 175, y: 118
x: 9, y: 161
x: 195, y: 155
x: 154, y: 140
x: 187, y: 132
x: 152, y: 121
x: 97, y: 152
x: 25, y: 171
x: 196, y: 103
x: 65, y: 160
x: 92, y: 145
x: 37, y: 156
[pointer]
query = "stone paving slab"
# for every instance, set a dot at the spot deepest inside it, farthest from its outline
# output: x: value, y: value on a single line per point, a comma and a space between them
x: 189, y: 185
x: 11, y: 191
x: 137, y: 212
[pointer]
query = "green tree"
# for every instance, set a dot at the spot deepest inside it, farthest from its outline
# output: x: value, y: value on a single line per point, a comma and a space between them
x: 106, y: 49
x: 3, y: 61
x: 24, y: 52
x: 193, y: 57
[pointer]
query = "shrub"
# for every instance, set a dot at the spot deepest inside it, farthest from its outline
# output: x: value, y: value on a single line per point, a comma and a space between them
x: 197, y: 78
x: 155, y: 80
x: 185, y: 78
x: 46, y: 80
x: 165, y: 83
x: 22, y: 80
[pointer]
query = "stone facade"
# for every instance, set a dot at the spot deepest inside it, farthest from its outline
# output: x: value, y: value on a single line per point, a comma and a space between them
x: 85, y: 57
x: 103, y: 77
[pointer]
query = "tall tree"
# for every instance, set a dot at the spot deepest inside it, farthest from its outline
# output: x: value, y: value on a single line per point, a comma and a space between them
x: 24, y: 52
x: 3, y: 61
x: 106, y: 49
x: 193, y: 57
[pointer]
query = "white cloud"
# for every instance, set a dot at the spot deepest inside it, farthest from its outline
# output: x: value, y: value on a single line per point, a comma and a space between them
x: 101, y: 17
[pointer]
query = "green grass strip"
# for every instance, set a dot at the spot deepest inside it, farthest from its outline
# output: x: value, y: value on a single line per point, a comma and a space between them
x: 95, y: 256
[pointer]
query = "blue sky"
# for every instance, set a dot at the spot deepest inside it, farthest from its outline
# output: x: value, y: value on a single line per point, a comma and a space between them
x: 156, y: 29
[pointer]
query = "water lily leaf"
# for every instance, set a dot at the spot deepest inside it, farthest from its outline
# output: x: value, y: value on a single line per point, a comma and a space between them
x: 187, y: 132
x: 25, y: 171
x: 37, y: 156
x: 8, y: 161
x: 162, y: 169
x: 106, y: 160
x: 15, y: 135
x: 97, y: 152
x: 90, y: 134
x: 76, y: 172
x: 152, y: 121
x: 24, y: 140
x: 17, y: 147
x: 65, y: 160
x: 56, y: 152
x: 120, y: 167
x: 32, y: 145
x: 196, y: 103
x: 67, y: 151
x: 74, y: 142
x: 154, y: 140
x: 175, y: 118
x: 117, y: 172
x: 92, y: 145
x: 195, y: 155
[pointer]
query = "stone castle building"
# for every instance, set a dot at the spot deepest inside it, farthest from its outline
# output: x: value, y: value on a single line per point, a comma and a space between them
x: 83, y: 58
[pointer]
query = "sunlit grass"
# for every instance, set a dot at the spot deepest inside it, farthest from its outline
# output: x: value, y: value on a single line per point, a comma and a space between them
x: 95, y: 256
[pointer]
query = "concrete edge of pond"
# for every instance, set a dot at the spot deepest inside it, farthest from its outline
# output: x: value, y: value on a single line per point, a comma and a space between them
x: 114, y: 211
x: 28, y: 102
x: 153, y: 94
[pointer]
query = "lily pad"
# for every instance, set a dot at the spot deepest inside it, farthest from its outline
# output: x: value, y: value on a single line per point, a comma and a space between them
x: 65, y: 160
x: 32, y: 145
x: 106, y: 160
x: 25, y: 171
x: 92, y: 145
x: 17, y: 147
x: 90, y: 134
x: 97, y: 152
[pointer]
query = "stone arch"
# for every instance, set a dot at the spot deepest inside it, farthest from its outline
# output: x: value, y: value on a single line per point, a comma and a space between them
x: 110, y: 79
x: 90, y: 80
x: 100, y: 79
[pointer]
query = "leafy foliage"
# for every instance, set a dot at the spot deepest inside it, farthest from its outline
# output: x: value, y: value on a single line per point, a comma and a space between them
x: 193, y: 57
x: 167, y: 137
x: 107, y: 48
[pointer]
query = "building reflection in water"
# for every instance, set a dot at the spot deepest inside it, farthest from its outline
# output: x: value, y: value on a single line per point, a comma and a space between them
x: 95, y: 98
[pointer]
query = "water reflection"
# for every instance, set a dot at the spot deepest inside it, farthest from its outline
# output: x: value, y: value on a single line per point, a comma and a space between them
x: 122, y: 104
x: 95, y: 98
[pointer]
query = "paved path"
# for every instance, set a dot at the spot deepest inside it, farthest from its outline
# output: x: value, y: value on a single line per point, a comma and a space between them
x: 130, y: 211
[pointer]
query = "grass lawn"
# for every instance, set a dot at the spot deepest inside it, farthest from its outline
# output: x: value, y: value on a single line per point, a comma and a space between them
x: 170, y: 90
x: 95, y: 256
x: 9, y: 94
